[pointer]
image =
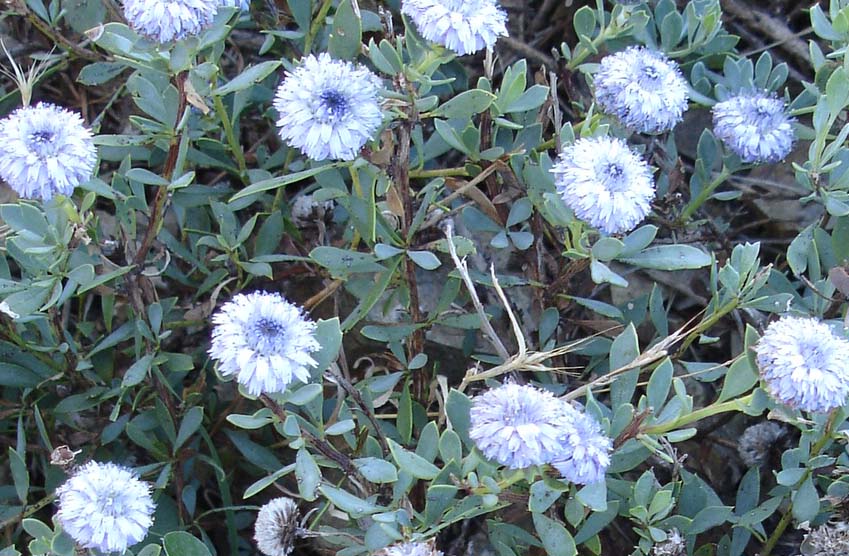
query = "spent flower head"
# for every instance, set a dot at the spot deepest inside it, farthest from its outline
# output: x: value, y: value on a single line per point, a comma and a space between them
x: 585, y: 453
x: 643, y: 88
x: 804, y: 364
x: 755, y: 126
x: 276, y: 527
x: 169, y: 20
x: 328, y: 108
x: 516, y: 425
x: 264, y: 340
x: 104, y: 506
x: 464, y: 26
x: 46, y: 151
x: 829, y: 539
x: 757, y: 441
x: 605, y: 183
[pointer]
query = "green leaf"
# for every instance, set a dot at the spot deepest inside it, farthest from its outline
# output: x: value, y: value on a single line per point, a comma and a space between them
x: 251, y: 76
x: 180, y: 543
x: 412, y: 463
x: 594, y: 496
x: 601, y: 273
x: 99, y: 73
x: 465, y: 105
x: 542, y: 497
x: 355, y: 507
x: 624, y: 349
x: 710, y: 517
x: 308, y: 474
x: 425, y: 259
x: 137, y: 371
x: 328, y: 334
x: 188, y: 426
x: 740, y: 378
x: 607, y: 248
x: 345, y: 42
x: 669, y: 257
x: 659, y: 383
x: 343, y: 261
x: 556, y: 540
x: 376, y: 470
x: 278, y: 182
x: 531, y: 99
x: 806, y: 501
x: 20, y: 475
x: 457, y: 408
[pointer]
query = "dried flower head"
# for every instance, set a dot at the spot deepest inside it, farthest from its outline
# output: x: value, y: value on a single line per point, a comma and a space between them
x: 328, y: 108
x: 264, y: 340
x: 757, y: 441
x: 411, y: 549
x: 46, y: 151
x: 826, y: 540
x: 755, y: 126
x: 605, y: 183
x: 517, y: 426
x: 643, y: 88
x: 464, y: 26
x: 276, y: 527
x: 169, y: 20
x: 674, y: 545
x: 804, y: 364
x: 585, y: 453
x: 105, y: 507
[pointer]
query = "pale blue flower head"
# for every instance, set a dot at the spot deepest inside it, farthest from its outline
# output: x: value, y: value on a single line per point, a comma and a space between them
x: 104, y: 506
x: 276, y: 527
x: 804, y: 364
x: 169, y: 20
x: 328, y: 108
x: 643, y: 88
x: 605, y: 183
x: 264, y: 341
x: 755, y: 126
x: 516, y: 426
x: 410, y: 549
x: 585, y: 453
x: 464, y: 26
x: 46, y: 151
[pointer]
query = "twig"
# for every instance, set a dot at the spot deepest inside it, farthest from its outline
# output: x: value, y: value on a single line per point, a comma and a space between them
x: 463, y: 269
x: 352, y: 391
x: 323, y: 447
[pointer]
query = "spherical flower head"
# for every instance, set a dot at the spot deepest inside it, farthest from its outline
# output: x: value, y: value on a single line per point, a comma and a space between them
x: 804, y: 364
x: 105, y: 507
x: 264, y: 341
x: 643, y: 88
x: 517, y: 426
x: 757, y: 441
x: 328, y: 108
x: 170, y: 20
x: 605, y: 183
x: 277, y: 527
x: 46, y: 151
x: 754, y: 126
x: 585, y: 452
x: 410, y: 549
x: 464, y: 26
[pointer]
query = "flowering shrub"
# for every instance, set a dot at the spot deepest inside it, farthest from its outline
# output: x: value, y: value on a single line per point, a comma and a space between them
x: 356, y: 278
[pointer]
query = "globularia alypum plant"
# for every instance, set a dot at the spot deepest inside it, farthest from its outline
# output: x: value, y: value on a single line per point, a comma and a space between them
x: 424, y: 277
